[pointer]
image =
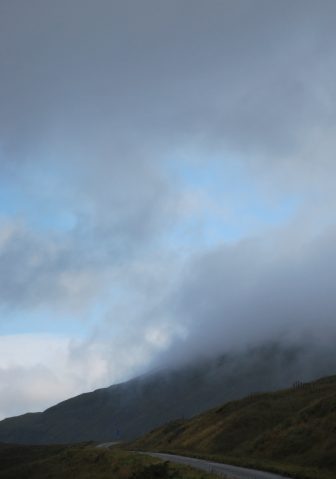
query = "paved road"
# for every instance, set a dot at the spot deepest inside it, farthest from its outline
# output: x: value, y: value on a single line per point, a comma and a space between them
x: 107, y: 445
x: 224, y: 470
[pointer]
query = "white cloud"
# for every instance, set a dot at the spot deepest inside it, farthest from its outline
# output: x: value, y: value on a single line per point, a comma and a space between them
x: 39, y: 370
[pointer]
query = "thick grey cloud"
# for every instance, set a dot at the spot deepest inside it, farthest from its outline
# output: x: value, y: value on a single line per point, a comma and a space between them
x: 255, y: 291
x: 105, y: 93
x: 38, y: 271
x: 251, y: 74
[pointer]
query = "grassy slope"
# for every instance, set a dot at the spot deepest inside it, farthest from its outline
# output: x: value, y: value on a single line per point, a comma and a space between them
x: 293, y: 430
x: 84, y: 462
x: 129, y: 410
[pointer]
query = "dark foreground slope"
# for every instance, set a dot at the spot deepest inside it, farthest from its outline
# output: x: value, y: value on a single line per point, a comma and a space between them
x: 293, y: 429
x: 84, y: 461
x: 128, y: 410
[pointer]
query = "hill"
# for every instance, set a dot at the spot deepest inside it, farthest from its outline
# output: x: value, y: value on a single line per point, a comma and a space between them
x: 292, y: 430
x: 128, y: 410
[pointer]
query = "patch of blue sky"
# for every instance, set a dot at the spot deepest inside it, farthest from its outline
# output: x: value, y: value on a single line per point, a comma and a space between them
x: 41, y: 322
x: 40, y: 211
x: 79, y: 324
x: 60, y: 221
x: 234, y: 204
x: 11, y: 201
x: 211, y: 230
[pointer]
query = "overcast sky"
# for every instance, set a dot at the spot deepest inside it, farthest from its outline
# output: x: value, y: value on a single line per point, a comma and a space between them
x: 167, y: 185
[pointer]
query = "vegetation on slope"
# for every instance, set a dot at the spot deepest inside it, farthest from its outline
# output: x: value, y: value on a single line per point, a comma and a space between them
x: 292, y: 430
x: 86, y: 462
x: 128, y: 410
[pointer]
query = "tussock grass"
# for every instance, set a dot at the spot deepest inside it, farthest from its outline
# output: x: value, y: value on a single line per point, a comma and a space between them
x: 85, y: 461
x: 292, y: 431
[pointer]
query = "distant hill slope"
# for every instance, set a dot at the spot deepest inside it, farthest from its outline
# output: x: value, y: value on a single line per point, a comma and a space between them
x: 128, y: 410
x: 293, y: 427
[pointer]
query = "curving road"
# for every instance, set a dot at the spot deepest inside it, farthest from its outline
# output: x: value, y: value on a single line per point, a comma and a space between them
x: 224, y: 470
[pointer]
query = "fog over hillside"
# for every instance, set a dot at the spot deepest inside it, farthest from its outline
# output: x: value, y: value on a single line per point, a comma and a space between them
x: 167, y: 188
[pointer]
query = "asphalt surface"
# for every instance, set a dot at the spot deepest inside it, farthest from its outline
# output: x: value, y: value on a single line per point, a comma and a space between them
x: 107, y: 445
x: 224, y: 470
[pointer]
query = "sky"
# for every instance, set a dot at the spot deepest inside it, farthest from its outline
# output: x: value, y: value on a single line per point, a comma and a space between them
x: 167, y: 186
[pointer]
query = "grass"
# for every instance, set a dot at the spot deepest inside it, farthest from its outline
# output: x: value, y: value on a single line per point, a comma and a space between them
x: 85, y: 461
x: 291, y: 431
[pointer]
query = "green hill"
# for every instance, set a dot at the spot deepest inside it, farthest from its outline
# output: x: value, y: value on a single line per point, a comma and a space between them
x: 128, y: 410
x: 292, y: 430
